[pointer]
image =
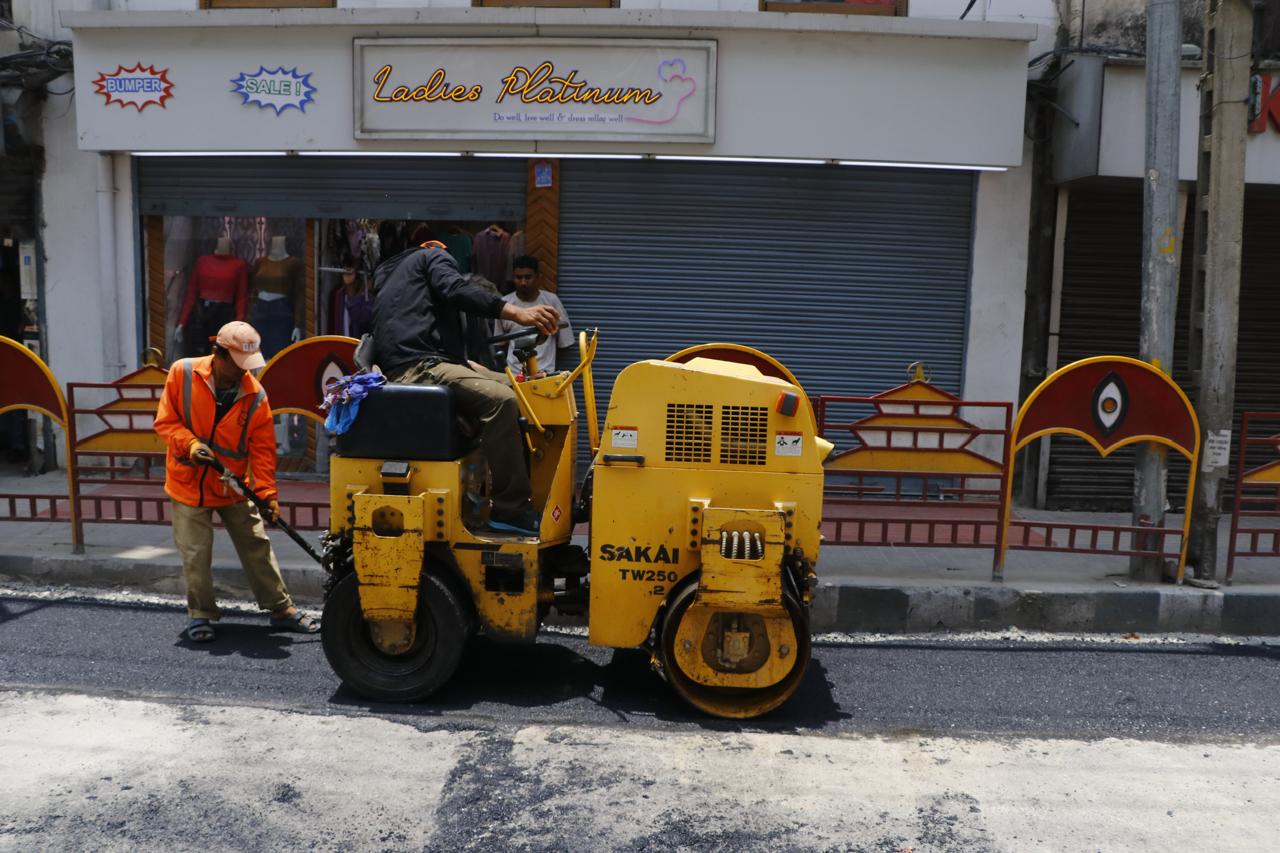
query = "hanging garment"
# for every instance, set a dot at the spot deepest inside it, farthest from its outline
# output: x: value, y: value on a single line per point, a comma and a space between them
x: 458, y: 243
x: 514, y: 250
x: 489, y: 256
x: 350, y: 314
x: 337, y: 315
x: 359, y: 313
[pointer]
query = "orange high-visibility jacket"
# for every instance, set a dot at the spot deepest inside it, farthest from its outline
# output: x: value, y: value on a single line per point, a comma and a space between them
x: 244, y: 439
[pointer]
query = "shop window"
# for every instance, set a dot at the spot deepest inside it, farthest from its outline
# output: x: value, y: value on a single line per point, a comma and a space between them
x: 268, y: 4
x: 350, y: 249
x: 293, y: 278
x: 849, y: 7
x: 223, y: 268
x: 550, y: 4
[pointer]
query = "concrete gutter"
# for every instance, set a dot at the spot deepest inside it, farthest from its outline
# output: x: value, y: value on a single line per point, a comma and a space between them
x: 95, y: 571
x: 921, y: 608
x: 849, y: 606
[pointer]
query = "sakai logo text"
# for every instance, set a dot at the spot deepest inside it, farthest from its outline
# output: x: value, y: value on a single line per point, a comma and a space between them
x: 639, y: 554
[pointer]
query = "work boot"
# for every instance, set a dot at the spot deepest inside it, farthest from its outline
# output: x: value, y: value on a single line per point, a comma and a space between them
x: 526, y: 521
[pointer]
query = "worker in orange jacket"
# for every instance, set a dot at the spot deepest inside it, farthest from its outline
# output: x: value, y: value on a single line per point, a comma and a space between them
x: 213, y: 408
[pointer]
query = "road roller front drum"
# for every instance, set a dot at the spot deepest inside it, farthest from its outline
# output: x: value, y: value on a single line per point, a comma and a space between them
x: 733, y: 664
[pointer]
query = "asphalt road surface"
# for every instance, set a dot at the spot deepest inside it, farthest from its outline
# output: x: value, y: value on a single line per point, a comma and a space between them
x: 116, y: 734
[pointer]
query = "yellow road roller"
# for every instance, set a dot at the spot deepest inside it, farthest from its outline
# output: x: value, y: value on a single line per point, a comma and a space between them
x: 703, y: 497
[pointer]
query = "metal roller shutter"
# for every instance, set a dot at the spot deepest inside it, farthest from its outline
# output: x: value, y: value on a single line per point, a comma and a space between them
x: 843, y: 274
x: 1101, y: 292
x: 1257, y: 387
x: 432, y: 188
x: 1101, y: 299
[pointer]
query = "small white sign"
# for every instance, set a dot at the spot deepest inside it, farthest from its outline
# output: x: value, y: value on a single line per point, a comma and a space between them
x: 1217, y: 450
x: 787, y: 443
x: 627, y: 437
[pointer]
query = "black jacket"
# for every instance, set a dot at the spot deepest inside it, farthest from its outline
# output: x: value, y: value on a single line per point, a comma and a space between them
x: 418, y: 297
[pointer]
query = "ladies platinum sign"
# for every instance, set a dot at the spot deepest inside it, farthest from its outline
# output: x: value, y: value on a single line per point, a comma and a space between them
x: 619, y: 89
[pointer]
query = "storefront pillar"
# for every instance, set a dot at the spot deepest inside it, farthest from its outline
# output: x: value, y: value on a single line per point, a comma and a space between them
x: 542, y: 220
x: 156, y: 280
x: 112, y: 361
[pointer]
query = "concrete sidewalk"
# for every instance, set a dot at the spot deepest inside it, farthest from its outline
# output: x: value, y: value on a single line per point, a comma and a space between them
x: 884, y: 589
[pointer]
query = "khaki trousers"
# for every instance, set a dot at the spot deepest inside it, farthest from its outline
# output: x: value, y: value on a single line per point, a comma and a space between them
x: 486, y: 396
x: 193, y: 534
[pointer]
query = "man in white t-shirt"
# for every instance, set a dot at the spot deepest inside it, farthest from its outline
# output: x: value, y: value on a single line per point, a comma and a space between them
x: 524, y: 274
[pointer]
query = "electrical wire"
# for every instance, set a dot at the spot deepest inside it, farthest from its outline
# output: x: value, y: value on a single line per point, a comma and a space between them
x: 1248, y: 55
x: 40, y: 62
x: 23, y: 31
x: 71, y: 102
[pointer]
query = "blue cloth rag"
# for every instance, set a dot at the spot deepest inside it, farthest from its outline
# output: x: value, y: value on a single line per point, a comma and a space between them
x: 342, y: 399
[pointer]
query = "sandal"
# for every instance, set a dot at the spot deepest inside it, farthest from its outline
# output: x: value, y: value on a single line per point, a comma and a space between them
x: 298, y: 622
x: 198, y: 631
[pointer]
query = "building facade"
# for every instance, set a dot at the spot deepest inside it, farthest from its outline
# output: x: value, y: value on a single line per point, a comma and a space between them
x: 848, y: 192
x: 1097, y: 281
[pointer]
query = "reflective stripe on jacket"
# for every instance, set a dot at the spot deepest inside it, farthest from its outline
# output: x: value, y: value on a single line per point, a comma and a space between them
x: 244, y: 440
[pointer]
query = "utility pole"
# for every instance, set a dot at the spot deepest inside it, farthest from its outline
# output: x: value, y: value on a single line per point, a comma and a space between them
x: 1159, y: 249
x: 1215, y: 294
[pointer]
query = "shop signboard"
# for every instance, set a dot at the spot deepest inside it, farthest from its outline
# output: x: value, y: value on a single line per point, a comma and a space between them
x: 1265, y: 108
x: 137, y: 86
x: 277, y: 89
x: 572, y: 89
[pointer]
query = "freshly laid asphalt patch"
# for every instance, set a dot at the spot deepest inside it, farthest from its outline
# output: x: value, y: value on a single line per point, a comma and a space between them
x: 1079, y: 689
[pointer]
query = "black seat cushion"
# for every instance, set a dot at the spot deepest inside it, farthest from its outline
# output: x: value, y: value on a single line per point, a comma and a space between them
x: 404, y: 422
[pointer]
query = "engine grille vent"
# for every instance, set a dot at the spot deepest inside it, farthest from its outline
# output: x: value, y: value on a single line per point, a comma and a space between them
x: 744, y: 435
x: 689, y: 432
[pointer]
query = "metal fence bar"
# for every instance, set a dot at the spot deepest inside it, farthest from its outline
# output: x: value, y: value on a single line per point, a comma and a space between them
x: 1256, y: 500
x: 1158, y: 535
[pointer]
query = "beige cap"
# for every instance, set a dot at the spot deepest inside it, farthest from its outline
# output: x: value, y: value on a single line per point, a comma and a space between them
x: 243, y: 342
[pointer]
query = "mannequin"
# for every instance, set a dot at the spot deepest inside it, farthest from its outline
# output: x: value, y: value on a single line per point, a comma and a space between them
x: 277, y: 290
x: 351, y: 305
x: 279, y: 250
x: 216, y: 294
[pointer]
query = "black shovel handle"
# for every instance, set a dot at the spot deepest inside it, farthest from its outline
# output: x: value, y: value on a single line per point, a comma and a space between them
x: 265, y: 510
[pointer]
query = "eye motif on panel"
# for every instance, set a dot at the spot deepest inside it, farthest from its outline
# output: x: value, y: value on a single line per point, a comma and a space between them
x: 1110, y: 403
x: 331, y: 370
